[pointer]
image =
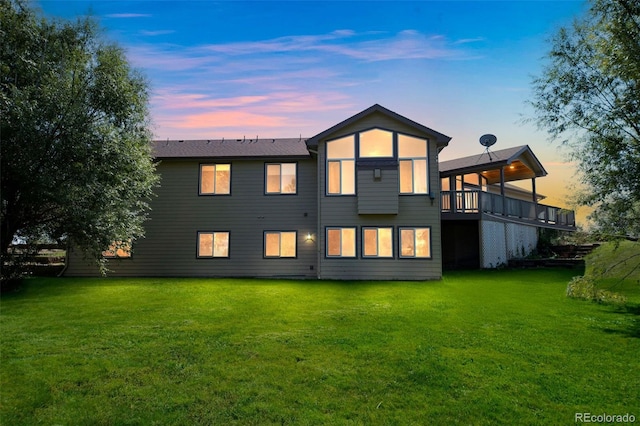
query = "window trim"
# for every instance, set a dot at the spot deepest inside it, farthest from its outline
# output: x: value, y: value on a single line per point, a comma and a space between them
x: 266, y: 164
x: 428, y: 155
x: 213, y: 256
x: 394, y: 145
x: 340, y: 160
x: 280, y: 232
x: 326, y: 242
x: 414, y: 228
x: 377, y: 256
x: 209, y: 194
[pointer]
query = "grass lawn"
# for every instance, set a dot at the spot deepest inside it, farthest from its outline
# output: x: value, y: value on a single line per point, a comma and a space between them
x: 488, y: 347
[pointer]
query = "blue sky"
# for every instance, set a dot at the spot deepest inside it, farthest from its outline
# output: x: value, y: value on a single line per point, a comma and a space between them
x: 284, y: 69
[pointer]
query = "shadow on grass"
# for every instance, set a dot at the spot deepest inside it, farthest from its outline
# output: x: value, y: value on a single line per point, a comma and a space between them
x: 633, y: 330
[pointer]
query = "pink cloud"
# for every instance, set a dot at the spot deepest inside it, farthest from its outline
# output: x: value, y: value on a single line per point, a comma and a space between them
x: 226, y: 119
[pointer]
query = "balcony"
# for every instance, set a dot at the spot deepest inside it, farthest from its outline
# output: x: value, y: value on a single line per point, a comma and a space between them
x: 475, y: 204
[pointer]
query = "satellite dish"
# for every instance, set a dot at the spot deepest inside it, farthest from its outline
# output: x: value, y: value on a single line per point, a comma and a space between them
x: 488, y: 140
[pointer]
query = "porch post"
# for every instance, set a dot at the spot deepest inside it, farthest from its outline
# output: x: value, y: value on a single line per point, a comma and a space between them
x: 504, y: 201
x: 535, y: 198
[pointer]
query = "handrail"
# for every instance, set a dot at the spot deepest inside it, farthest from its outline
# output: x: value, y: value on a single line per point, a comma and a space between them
x: 476, y: 201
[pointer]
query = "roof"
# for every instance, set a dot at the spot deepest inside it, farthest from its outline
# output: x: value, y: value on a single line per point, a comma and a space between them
x: 231, y: 148
x: 441, y: 140
x: 521, y: 161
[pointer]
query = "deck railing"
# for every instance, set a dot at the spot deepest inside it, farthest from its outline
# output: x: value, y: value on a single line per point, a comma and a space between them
x: 476, y: 202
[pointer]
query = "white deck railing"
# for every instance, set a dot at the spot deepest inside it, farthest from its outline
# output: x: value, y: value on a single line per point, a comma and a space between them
x: 470, y: 202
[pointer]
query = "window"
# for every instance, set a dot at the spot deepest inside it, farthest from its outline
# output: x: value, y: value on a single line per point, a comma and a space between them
x: 377, y: 242
x: 118, y: 250
x: 341, y: 166
x: 415, y: 242
x: 215, y: 179
x: 412, y: 155
x: 280, y: 178
x: 280, y: 244
x: 376, y: 143
x: 213, y: 244
x: 341, y: 242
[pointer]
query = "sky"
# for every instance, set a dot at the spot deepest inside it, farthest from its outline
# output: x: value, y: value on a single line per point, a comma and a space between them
x: 233, y: 69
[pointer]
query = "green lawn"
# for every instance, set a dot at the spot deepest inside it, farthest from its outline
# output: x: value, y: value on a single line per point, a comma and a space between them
x: 489, y: 347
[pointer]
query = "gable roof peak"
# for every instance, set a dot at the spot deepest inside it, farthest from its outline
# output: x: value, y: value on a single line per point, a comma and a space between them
x: 441, y: 139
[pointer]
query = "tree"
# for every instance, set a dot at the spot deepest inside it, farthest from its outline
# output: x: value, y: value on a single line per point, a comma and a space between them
x: 74, y: 135
x: 590, y: 94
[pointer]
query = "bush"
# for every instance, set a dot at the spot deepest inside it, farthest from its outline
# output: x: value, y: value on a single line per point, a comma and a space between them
x: 586, y: 288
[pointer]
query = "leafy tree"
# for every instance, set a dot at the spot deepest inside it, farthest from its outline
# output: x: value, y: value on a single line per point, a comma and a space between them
x: 590, y: 94
x: 74, y: 133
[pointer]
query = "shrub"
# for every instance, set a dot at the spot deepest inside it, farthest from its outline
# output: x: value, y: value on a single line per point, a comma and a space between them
x: 585, y: 288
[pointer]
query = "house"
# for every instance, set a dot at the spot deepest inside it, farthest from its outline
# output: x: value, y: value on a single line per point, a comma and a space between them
x: 360, y: 200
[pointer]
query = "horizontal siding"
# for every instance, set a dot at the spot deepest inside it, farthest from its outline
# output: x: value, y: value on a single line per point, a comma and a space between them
x: 178, y: 213
x: 377, y: 196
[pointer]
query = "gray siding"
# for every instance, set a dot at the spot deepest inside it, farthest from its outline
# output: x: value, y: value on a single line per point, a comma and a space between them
x: 377, y: 195
x: 413, y: 211
x: 179, y: 213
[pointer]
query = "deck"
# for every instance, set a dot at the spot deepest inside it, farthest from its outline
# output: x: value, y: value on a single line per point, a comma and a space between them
x: 475, y: 205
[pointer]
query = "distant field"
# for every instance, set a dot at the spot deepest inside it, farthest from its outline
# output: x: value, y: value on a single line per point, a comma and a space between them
x: 489, y: 347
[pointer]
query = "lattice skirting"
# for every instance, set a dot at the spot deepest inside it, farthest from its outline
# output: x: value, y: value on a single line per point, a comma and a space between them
x: 500, y: 242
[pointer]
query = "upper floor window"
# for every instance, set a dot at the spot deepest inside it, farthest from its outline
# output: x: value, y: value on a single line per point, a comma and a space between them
x: 280, y: 244
x: 213, y: 244
x: 412, y: 157
x: 215, y: 179
x: 280, y: 178
x: 341, y: 166
x: 375, y: 143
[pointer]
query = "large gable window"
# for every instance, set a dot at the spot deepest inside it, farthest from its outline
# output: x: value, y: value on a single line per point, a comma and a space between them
x: 279, y: 244
x: 215, y: 179
x: 341, y: 166
x: 375, y: 143
x: 341, y: 242
x: 412, y: 156
x: 280, y: 178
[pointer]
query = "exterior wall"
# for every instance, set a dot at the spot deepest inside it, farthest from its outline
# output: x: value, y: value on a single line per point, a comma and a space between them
x: 413, y: 210
x: 501, y: 241
x: 179, y: 213
x: 377, y: 195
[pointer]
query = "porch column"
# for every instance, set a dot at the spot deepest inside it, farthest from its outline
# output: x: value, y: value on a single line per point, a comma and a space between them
x: 535, y: 198
x: 504, y: 200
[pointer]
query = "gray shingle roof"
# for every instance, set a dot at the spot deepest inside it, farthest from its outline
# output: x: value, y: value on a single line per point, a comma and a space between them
x: 231, y: 148
x: 490, y: 160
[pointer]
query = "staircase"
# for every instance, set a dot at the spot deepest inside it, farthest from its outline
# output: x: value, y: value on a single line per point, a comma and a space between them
x: 566, y: 256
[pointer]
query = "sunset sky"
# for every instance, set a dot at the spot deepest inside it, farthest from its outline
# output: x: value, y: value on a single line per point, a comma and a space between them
x: 287, y: 69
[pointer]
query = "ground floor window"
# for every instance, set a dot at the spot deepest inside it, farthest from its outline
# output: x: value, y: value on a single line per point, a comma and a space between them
x: 213, y: 244
x: 341, y: 242
x: 118, y: 250
x: 377, y: 242
x: 279, y: 244
x: 415, y: 242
